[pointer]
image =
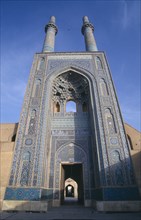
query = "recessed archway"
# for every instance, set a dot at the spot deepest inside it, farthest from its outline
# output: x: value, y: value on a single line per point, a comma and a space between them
x: 72, y: 176
x: 71, y: 85
x: 71, y: 189
x: 69, y: 89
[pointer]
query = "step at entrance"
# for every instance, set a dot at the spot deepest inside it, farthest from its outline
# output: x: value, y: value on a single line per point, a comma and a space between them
x: 69, y: 212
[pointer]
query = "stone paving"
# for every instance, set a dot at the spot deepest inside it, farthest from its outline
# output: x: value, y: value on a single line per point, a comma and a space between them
x: 68, y: 213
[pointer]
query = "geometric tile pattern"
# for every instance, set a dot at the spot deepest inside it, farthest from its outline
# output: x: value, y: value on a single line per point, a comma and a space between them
x: 22, y: 194
x: 39, y: 127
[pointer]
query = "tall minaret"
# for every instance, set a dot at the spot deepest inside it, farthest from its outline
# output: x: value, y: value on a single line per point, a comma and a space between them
x: 87, y: 31
x: 50, y: 30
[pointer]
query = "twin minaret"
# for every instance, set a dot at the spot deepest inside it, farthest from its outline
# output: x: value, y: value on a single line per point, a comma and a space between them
x: 51, y: 30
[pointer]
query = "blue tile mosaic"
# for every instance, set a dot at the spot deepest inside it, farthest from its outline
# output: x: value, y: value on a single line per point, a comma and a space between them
x: 22, y: 194
x: 116, y: 194
x: 47, y: 194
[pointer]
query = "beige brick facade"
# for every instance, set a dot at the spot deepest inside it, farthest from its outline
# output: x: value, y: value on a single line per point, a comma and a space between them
x: 7, y: 137
x: 134, y: 138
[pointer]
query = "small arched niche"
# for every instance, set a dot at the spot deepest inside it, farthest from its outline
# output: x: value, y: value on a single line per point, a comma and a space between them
x: 36, y: 88
x: 84, y: 107
x: 98, y: 63
x: 71, y: 106
x: 110, y: 121
x: 103, y: 88
x: 41, y: 63
x: 33, y: 113
x: 56, y: 107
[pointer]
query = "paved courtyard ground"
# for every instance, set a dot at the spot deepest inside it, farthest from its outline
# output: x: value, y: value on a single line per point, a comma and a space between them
x: 69, y: 213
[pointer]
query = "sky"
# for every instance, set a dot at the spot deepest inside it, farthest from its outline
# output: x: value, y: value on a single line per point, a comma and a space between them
x: 117, y: 28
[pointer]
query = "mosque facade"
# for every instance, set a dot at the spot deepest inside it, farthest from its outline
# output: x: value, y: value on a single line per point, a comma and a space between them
x: 71, y: 140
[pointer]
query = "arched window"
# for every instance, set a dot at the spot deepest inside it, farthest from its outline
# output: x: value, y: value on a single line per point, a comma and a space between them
x: 129, y: 142
x: 57, y: 107
x: 33, y: 113
x: 36, y: 88
x: 103, y: 88
x: 84, y: 107
x: 110, y: 121
x: 70, y: 106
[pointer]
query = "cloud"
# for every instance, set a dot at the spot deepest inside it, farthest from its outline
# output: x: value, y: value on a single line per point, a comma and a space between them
x: 125, y: 18
x: 128, y: 14
x: 131, y: 13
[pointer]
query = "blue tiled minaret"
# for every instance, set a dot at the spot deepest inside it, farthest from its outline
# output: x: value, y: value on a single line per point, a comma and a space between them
x: 50, y: 30
x: 87, y: 31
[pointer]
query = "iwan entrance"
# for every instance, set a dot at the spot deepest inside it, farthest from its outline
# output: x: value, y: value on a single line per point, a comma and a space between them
x: 88, y: 142
x: 72, y: 190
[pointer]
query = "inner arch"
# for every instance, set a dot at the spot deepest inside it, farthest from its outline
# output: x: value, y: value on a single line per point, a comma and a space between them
x: 70, y: 86
x: 70, y: 106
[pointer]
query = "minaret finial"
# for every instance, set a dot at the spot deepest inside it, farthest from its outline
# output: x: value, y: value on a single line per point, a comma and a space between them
x: 85, y: 19
x: 52, y: 19
x: 87, y: 31
x: 50, y: 30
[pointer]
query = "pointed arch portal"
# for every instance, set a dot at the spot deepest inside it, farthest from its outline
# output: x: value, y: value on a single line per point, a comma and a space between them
x: 71, y: 189
x: 73, y: 163
x: 74, y: 173
x: 53, y: 145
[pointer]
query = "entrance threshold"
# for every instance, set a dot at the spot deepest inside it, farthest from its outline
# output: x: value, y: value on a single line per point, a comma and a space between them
x: 70, y: 200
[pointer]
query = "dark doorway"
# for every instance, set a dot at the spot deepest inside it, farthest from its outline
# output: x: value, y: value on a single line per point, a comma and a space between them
x: 75, y: 172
